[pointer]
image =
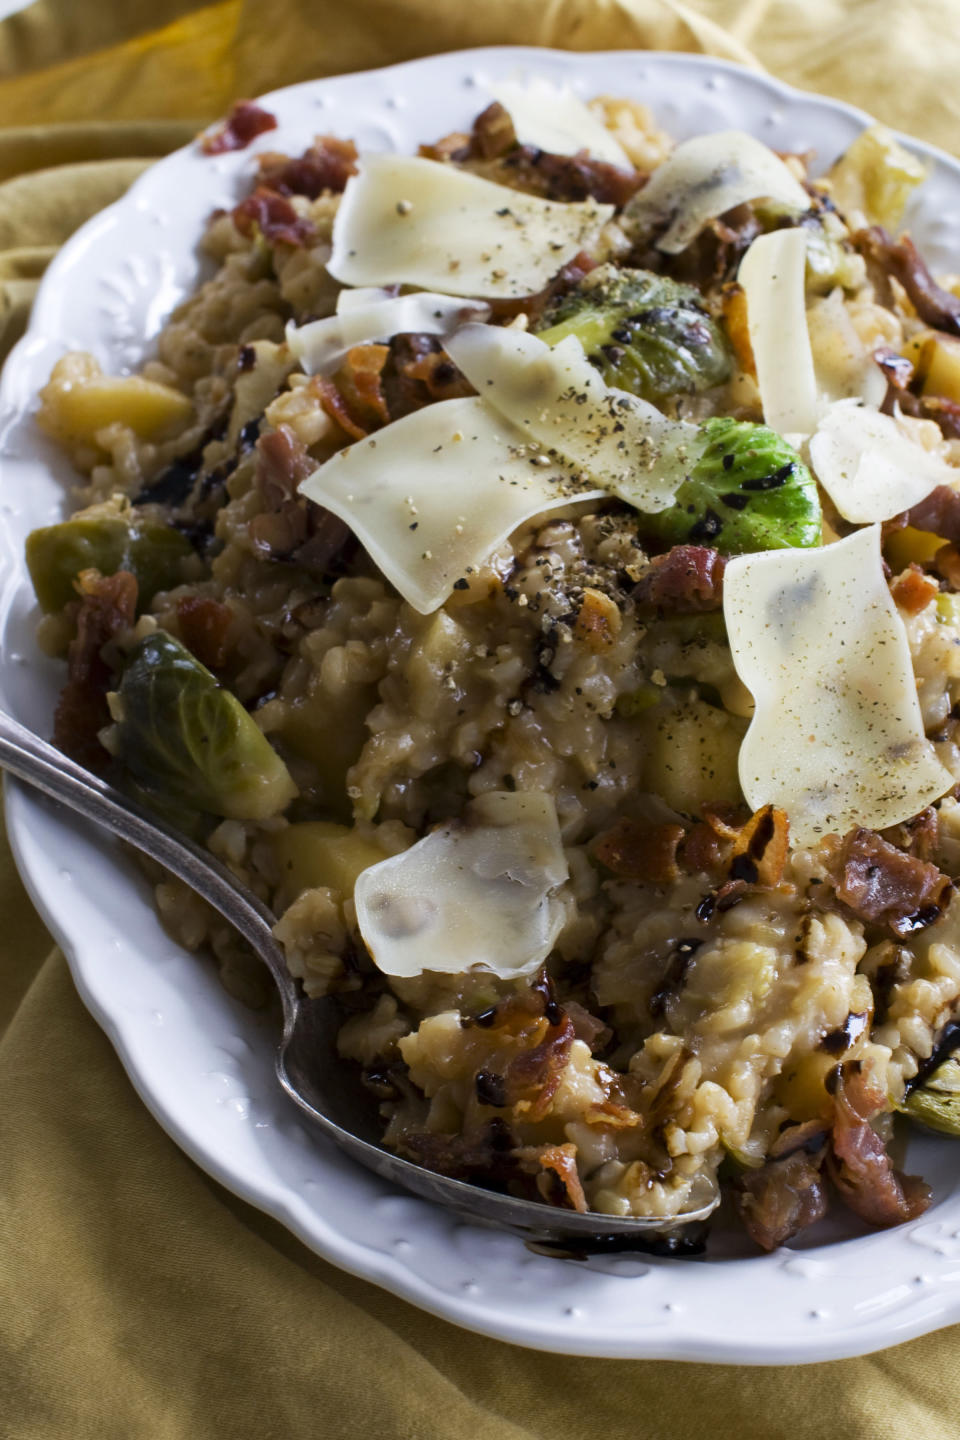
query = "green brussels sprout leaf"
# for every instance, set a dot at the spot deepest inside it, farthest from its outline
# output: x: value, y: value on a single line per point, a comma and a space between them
x: 748, y: 490
x: 645, y: 334
x: 181, y: 734
x: 105, y: 539
x: 936, y: 1103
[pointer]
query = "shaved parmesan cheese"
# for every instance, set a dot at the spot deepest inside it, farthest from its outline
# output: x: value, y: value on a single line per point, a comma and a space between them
x: 431, y: 495
x: 556, y: 397
x: 772, y: 276
x: 478, y: 891
x: 321, y: 345
x: 554, y: 119
x: 408, y: 221
x: 707, y: 176
x: 844, y: 367
x: 805, y: 360
x: 363, y: 295
x: 837, y: 735
x: 869, y: 467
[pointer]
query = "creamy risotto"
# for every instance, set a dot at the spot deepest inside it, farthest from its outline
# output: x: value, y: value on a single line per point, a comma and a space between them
x: 533, y: 566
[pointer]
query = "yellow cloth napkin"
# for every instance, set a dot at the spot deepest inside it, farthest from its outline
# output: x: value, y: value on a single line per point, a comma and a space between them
x: 138, y: 1298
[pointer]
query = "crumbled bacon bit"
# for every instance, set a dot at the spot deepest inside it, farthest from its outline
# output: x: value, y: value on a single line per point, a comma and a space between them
x: 882, y: 885
x: 634, y: 851
x: 859, y: 1164
x: 354, y: 396
x: 760, y: 848
x: 274, y: 217
x: 107, y: 606
x: 533, y: 1076
x: 326, y: 166
x: 913, y: 590
x: 687, y: 579
x: 557, y: 1179
x: 244, y: 123
x: 204, y: 625
x: 780, y: 1199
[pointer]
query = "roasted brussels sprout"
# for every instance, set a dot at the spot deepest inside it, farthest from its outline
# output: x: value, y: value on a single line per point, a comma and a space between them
x: 105, y: 538
x: 831, y: 260
x: 748, y: 490
x: 182, y: 735
x: 937, y: 1101
x: 645, y: 334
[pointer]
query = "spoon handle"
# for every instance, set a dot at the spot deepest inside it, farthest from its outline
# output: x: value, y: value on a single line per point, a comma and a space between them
x: 40, y: 764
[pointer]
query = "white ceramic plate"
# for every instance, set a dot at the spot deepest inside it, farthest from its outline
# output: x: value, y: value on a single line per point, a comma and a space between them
x: 200, y: 1061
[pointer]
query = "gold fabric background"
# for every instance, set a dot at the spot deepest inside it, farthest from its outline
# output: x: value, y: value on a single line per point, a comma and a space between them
x: 138, y: 1298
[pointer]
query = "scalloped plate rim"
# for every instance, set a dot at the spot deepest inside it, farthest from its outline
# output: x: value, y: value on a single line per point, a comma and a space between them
x: 29, y: 816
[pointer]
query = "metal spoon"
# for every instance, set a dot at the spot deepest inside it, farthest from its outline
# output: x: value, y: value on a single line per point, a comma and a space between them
x: 307, y: 1063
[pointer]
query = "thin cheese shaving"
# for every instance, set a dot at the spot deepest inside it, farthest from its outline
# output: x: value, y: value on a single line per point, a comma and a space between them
x: 869, y: 467
x: 433, y: 494
x: 321, y: 345
x: 408, y: 221
x: 478, y: 891
x: 707, y: 176
x: 554, y: 119
x: 837, y: 736
x: 559, y: 401
x: 772, y: 276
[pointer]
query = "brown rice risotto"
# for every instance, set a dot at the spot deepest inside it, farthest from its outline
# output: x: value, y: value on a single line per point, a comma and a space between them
x: 533, y: 567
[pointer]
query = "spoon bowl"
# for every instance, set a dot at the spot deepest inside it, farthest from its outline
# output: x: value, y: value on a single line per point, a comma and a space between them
x: 307, y: 1063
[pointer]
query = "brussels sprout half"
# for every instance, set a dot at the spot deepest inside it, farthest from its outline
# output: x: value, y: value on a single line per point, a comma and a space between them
x: 108, y: 541
x: 748, y: 490
x: 936, y: 1102
x: 645, y: 334
x: 188, y: 739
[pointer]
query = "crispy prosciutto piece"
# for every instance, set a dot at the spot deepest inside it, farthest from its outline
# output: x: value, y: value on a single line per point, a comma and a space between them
x: 782, y: 1198
x: 885, y: 886
x: 326, y: 166
x: 275, y: 218
x: 859, y: 1164
x: 533, y: 1076
x: 687, y: 579
x: 902, y: 260
x: 354, y: 396
x: 556, y: 1176
x: 555, y: 177
x: 244, y: 123
x: 204, y: 627
x: 107, y: 605
x: 291, y: 527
